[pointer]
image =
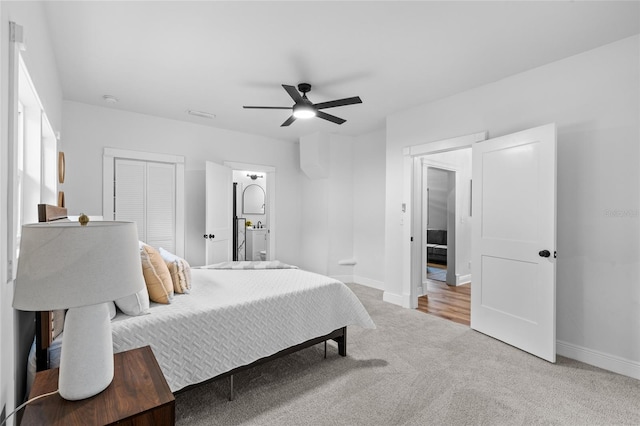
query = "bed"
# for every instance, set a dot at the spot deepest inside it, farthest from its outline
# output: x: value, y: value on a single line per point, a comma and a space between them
x: 232, y: 320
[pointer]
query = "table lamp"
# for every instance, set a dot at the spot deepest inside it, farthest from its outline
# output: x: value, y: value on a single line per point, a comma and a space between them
x: 69, y: 266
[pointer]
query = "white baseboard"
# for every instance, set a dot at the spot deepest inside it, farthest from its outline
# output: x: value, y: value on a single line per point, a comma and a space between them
x: 463, y: 279
x: 602, y: 360
x: 343, y: 278
x: 396, y: 299
x: 379, y: 285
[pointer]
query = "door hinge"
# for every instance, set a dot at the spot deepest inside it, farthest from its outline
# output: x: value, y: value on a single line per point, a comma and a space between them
x: 16, y: 35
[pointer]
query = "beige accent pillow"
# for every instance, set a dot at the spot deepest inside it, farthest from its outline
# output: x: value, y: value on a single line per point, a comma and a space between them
x: 156, y: 275
x: 179, y: 269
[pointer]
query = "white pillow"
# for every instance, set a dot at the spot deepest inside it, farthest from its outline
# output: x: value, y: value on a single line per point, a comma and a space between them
x: 135, y: 304
x: 179, y: 270
x: 112, y: 310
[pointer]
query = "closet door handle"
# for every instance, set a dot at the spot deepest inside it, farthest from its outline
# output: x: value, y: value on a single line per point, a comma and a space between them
x: 544, y: 253
x: 209, y: 236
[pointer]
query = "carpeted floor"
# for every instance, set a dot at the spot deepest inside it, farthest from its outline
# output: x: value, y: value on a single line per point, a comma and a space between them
x: 415, y: 369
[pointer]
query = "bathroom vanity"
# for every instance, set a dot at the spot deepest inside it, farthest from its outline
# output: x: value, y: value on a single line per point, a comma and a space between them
x: 256, y: 242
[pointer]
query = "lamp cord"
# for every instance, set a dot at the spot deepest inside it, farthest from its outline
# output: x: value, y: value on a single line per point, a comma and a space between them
x: 25, y: 403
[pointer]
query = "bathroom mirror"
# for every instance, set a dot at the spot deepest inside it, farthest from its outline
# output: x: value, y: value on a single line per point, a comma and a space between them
x: 253, y: 200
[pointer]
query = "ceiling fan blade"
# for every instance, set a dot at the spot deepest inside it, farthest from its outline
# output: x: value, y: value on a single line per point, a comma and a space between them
x: 265, y: 107
x: 330, y: 117
x: 293, y: 92
x: 339, y: 102
x: 288, y: 122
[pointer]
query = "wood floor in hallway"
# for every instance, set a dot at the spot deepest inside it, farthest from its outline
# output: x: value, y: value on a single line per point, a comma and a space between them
x: 452, y: 303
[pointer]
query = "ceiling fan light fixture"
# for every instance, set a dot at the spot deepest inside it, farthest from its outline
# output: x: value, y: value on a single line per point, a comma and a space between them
x: 304, y: 108
x: 304, y: 111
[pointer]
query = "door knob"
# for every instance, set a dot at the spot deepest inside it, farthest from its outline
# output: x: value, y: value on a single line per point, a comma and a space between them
x: 211, y: 236
x: 544, y: 253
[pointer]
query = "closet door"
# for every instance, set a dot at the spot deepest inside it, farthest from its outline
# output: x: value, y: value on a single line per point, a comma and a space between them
x: 129, y: 193
x: 145, y: 193
x: 161, y: 202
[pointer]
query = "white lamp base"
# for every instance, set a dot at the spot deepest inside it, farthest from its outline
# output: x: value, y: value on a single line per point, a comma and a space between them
x: 86, y: 356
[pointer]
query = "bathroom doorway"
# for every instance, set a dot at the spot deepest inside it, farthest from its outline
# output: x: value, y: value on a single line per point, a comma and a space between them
x: 251, y: 221
x: 254, y: 218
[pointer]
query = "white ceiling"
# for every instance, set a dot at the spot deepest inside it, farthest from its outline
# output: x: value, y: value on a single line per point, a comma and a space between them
x: 164, y: 58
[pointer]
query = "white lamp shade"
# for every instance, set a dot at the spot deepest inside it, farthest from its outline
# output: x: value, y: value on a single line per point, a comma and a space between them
x: 65, y: 265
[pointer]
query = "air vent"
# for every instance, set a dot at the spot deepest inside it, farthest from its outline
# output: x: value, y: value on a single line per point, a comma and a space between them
x: 202, y: 114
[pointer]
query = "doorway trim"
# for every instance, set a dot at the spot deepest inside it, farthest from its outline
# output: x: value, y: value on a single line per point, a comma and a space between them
x: 270, y: 171
x: 412, y: 186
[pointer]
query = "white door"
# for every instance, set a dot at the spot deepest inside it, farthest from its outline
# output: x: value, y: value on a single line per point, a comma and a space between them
x: 219, y: 211
x: 513, y: 296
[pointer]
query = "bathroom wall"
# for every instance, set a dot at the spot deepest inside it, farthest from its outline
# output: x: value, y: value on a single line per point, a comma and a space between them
x: 240, y: 177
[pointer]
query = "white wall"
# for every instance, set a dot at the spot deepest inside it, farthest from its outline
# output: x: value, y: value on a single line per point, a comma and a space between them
x: 327, y: 211
x: 42, y: 67
x: 314, y: 243
x: 438, y: 185
x: 7, y: 363
x: 368, y: 208
x: 340, y: 206
x: 593, y: 98
x: 88, y: 129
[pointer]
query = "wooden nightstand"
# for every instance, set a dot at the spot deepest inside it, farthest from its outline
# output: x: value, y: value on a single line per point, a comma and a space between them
x: 138, y: 395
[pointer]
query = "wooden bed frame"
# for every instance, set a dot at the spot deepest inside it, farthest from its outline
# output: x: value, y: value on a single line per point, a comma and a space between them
x: 49, y: 324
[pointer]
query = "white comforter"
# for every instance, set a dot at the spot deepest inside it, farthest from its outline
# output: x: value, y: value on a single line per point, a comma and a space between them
x: 234, y: 317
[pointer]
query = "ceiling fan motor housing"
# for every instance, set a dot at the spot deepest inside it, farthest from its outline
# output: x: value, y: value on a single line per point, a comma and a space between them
x: 304, y: 87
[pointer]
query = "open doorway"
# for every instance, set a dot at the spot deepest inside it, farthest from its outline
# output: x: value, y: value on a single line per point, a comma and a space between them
x: 445, y: 227
x: 439, y: 197
x: 251, y: 219
x: 514, y: 234
x: 255, y: 212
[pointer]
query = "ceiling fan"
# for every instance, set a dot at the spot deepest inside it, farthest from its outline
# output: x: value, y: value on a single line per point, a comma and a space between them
x: 304, y: 108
